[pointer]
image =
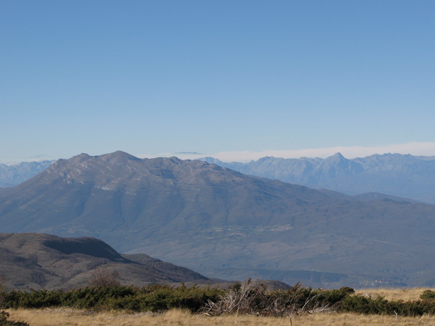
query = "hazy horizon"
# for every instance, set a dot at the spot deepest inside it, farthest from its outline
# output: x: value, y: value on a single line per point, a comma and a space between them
x: 415, y: 149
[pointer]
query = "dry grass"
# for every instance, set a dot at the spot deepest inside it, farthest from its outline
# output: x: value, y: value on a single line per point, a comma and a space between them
x: 73, y: 317
x: 395, y: 294
x: 76, y: 317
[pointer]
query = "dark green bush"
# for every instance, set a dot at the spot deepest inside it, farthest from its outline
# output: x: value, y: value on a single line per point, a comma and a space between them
x: 379, y: 305
x: 363, y: 305
x: 153, y: 298
x: 428, y: 294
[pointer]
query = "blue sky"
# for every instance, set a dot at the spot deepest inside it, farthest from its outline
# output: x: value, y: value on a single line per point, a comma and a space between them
x: 232, y: 79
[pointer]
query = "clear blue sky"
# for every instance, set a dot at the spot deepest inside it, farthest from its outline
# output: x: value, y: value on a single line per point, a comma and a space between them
x: 152, y: 77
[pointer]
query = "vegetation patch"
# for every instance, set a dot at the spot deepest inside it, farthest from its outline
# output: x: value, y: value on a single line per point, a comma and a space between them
x: 249, y: 297
x: 3, y: 314
x: 151, y: 298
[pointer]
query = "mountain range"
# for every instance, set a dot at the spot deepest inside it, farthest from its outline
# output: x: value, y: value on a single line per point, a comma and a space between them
x: 228, y: 225
x: 376, y: 176
x: 12, y: 175
x: 391, y: 174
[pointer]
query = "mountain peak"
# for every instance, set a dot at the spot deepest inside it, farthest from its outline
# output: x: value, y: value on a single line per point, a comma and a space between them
x: 80, y: 157
x: 336, y: 158
x: 119, y: 156
x: 175, y: 160
x: 338, y: 155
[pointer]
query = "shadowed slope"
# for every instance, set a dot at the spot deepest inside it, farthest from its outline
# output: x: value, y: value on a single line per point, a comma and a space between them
x: 33, y: 260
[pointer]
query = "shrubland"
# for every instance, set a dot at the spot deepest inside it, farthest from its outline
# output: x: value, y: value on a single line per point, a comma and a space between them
x: 249, y: 298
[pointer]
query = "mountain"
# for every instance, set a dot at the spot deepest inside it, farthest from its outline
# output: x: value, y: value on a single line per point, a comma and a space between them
x: 391, y: 174
x: 32, y: 260
x: 12, y: 175
x: 225, y: 224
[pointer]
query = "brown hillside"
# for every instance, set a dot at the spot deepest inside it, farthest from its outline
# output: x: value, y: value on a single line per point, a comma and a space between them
x: 33, y: 260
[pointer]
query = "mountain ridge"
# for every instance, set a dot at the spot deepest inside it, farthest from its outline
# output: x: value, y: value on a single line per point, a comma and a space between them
x: 225, y: 224
x: 391, y: 174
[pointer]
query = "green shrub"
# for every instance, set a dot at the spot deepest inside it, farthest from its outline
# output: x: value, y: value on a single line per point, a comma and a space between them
x: 380, y: 306
x: 363, y: 304
x: 153, y: 298
x: 428, y: 294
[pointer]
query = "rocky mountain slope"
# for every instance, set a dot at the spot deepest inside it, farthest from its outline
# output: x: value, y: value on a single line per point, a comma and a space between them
x: 224, y: 224
x: 32, y: 260
x: 392, y: 174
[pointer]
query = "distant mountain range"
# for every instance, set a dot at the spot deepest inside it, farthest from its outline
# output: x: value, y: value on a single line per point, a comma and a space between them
x: 392, y: 174
x: 228, y: 225
x: 12, y: 175
x: 376, y: 176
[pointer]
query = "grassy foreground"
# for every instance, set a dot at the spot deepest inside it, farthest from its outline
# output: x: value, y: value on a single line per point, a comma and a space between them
x: 59, y: 315
x: 76, y: 317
